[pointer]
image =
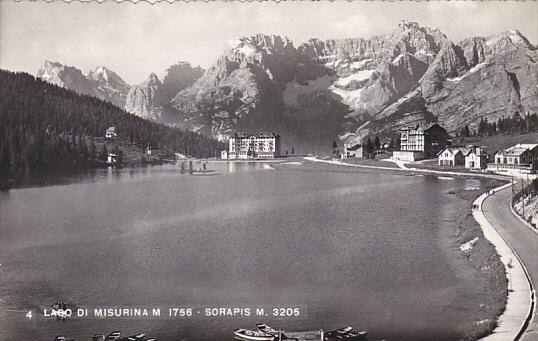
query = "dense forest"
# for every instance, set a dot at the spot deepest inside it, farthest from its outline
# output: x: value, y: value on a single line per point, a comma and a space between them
x: 43, y: 126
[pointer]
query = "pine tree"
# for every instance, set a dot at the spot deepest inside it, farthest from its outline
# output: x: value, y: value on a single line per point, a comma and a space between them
x: 377, y: 143
x: 369, y: 147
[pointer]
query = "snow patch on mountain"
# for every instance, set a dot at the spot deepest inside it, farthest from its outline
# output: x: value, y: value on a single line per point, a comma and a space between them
x: 474, y: 69
x: 349, y: 97
x: 357, y: 76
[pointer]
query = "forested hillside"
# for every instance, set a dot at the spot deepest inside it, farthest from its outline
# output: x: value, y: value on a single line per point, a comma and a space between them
x: 43, y: 126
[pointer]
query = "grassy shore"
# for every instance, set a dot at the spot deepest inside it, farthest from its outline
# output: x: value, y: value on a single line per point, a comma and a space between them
x: 486, y: 264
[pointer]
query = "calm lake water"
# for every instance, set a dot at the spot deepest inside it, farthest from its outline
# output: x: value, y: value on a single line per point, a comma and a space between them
x: 375, y: 250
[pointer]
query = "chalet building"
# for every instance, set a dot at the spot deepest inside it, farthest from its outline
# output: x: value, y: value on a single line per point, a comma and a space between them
x: 253, y: 146
x: 452, y: 157
x: 471, y: 157
x: 352, y: 150
x: 112, y: 159
x: 421, y: 142
x: 518, y: 159
x: 476, y: 158
x: 111, y: 133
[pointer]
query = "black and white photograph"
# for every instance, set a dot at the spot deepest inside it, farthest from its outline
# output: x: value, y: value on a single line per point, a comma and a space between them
x: 268, y: 170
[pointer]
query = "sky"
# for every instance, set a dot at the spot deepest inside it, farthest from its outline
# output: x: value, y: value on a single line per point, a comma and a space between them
x: 137, y: 39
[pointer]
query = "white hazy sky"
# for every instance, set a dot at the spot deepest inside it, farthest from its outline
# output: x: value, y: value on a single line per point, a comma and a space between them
x: 135, y: 40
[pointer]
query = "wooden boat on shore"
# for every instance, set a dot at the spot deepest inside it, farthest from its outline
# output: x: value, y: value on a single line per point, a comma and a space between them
x: 268, y: 333
x: 138, y: 337
x: 347, y: 334
x: 264, y: 328
x: 309, y: 335
x: 251, y: 335
x: 115, y: 335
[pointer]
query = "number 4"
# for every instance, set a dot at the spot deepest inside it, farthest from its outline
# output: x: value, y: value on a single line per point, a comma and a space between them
x: 29, y: 314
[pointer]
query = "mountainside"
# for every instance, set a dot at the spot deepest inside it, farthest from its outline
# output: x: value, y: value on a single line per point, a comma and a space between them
x: 479, y: 77
x: 321, y: 89
x: 247, y: 89
x: 356, y: 87
x: 151, y: 99
x: 142, y: 100
x: 100, y: 82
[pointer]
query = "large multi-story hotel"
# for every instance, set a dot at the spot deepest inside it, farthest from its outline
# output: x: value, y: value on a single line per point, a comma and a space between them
x: 252, y: 146
x: 421, y: 142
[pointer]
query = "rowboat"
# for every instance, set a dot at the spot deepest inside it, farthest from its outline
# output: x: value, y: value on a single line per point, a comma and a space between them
x: 245, y: 334
x: 204, y: 172
x: 115, y: 335
x: 264, y: 328
x: 347, y: 334
x: 138, y: 337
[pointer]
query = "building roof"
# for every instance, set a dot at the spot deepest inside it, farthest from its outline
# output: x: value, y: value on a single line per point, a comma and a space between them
x: 465, y: 151
x: 519, y: 149
x: 354, y: 147
x: 513, y: 151
x: 529, y: 146
x: 423, y: 126
x: 451, y: 150
x: 242, y: 134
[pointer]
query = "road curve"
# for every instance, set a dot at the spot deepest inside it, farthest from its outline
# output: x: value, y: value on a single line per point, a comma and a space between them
x: 520, y: 237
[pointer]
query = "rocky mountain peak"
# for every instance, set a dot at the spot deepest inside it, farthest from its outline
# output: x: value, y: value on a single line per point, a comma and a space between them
x: 50, y: 72
x: 256, y: 49
x: 405, y: 25
x: 508, y: 40
x: 51, y: 64
x: 99, y: 73
x: 106, y: 76
x: 100, y: 82
x: 153, y: 80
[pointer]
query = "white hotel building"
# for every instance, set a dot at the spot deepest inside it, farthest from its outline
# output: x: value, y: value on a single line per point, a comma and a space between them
x: 252, y: 146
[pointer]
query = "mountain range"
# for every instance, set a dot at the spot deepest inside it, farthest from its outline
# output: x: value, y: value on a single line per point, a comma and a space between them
x: 321, y: 89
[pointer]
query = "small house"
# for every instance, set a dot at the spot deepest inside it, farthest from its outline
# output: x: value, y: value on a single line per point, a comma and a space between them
x: 112, y: 158
x: 476, y: 157
x: 451, y: 156
x: 111, y: 133
x: 352, y: 150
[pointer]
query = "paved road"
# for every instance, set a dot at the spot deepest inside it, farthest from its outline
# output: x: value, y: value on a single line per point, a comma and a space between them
x: 521, y: 239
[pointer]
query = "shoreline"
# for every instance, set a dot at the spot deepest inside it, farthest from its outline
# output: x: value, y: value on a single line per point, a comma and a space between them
x: 403, y: 168
x: 520, y: 304
x: 520, y: 301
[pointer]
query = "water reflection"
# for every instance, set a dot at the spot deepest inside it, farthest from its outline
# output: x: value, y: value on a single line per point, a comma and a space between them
x: 112, y: 174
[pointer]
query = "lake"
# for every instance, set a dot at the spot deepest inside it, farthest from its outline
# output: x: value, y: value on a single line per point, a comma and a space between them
x: 374, y: 250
